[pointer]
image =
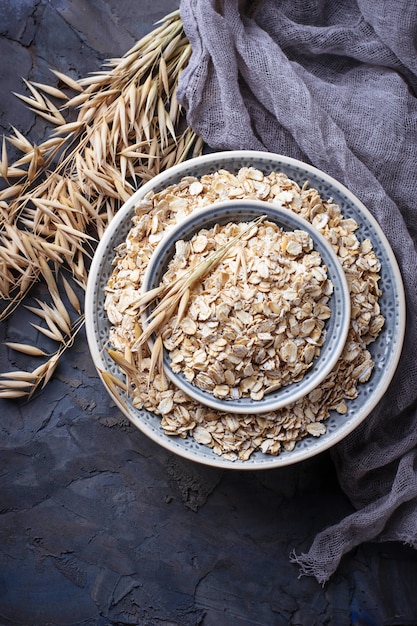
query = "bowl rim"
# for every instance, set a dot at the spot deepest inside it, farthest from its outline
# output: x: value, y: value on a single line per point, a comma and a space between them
x: 274, y: 401
x: 126, y: 211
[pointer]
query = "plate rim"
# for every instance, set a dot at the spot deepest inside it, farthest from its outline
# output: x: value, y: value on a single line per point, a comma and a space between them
x: 332, y: 258
x: 282, y: 459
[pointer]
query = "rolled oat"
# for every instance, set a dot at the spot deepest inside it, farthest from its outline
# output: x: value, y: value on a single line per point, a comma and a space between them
x: 256, y: 322
x: 237, y: 437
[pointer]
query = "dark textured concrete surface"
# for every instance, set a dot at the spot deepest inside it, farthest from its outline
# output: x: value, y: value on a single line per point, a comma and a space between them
x: 98, y: 525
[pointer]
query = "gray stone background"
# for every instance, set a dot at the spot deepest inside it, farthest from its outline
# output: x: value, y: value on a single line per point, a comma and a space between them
x: 98, y: 525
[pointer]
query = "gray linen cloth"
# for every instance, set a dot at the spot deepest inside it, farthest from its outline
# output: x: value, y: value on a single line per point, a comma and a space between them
x: 333, y: 83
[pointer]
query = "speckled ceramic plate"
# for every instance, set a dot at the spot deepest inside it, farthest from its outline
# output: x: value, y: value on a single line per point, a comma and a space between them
x: 337, y: 326
x: 385, y: 350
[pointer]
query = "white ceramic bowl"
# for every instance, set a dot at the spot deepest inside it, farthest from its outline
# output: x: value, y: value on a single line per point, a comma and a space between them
x: 336, y: 328
x: 385, y: 351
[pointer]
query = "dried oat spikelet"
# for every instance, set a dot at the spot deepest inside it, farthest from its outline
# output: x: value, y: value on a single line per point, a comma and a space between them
x: 16, y: 384
x: 110, y: 132
x: 57, y: 326
x: 174, y: 298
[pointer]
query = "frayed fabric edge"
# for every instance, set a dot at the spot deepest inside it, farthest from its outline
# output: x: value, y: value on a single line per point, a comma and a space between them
x: 308, y: 567
x: 407, y: 540
x: 410, y: 542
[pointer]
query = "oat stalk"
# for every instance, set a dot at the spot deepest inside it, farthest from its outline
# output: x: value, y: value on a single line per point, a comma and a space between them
x: 17, y: 384
x: 173, y: 298
x: 109, y: 133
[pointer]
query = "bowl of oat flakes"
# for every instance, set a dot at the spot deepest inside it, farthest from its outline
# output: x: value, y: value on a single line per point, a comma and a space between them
x: 190, y: 428
x: 263, y: 306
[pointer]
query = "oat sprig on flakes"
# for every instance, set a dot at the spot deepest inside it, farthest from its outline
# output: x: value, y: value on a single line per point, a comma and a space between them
x: 256, y: 322
x: 230, y: 435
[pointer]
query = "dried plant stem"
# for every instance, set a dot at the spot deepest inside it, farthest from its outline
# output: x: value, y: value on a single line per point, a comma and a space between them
x: 174, y: 298
x: 26, y: 383
x: 111, y: 131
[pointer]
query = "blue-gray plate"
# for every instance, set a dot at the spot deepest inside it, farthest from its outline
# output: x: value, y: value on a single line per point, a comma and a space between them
x: 385, y: 350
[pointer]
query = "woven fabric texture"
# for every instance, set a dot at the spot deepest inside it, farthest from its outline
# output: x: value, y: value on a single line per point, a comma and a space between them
x: 332, y: 83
